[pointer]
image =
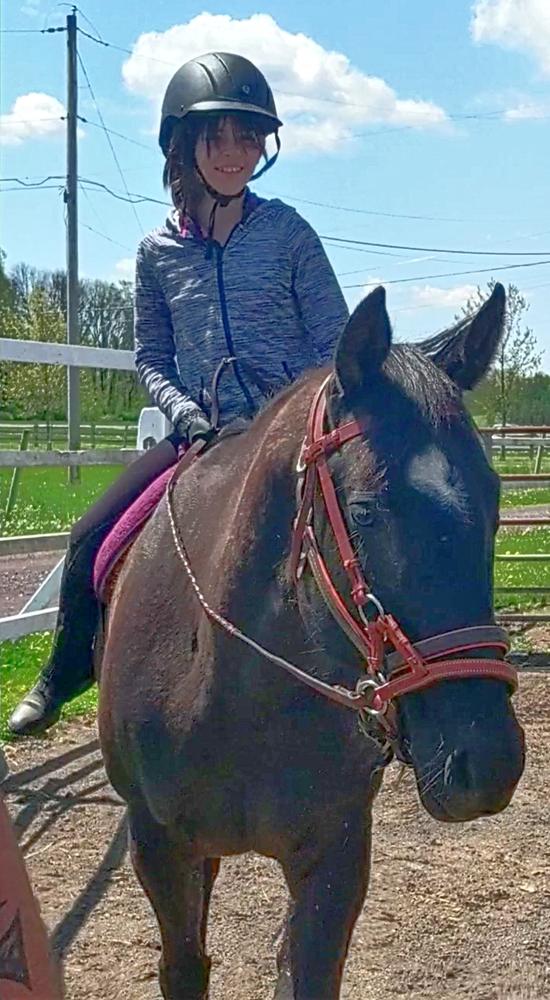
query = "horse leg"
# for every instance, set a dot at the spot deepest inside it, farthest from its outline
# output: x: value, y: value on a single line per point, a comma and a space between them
x: 328, y: 884
x: 178, y: 888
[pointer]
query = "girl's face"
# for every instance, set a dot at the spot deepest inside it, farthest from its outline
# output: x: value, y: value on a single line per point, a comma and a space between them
x: 228, y: 160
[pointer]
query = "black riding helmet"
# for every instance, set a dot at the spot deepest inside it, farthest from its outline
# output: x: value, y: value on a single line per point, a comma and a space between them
x: 218, y: 81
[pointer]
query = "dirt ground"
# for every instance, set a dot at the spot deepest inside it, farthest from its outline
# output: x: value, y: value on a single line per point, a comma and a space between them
x: 453, y: 912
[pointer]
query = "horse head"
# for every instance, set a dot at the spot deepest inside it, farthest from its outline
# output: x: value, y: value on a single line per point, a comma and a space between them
x: 420, y: 503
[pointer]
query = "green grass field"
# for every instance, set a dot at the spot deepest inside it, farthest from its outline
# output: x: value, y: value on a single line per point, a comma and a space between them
x: 47, y: 503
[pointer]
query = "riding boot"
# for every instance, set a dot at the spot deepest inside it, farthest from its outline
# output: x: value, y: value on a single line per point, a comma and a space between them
x: 69, y: 670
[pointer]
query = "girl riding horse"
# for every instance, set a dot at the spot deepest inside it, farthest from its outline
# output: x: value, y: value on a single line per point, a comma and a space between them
x: 228, y: 275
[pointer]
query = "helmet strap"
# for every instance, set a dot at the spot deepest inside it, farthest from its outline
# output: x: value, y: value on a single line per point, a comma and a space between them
x: 267, y: 166
x: 219, y: 198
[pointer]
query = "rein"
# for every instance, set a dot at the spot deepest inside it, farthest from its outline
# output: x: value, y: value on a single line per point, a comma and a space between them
x: 409, y: 667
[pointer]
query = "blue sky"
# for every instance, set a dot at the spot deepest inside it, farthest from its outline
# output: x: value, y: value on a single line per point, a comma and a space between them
x: 417, y: 124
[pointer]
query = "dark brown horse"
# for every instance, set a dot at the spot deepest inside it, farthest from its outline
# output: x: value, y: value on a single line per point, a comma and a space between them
x: 218, y: 751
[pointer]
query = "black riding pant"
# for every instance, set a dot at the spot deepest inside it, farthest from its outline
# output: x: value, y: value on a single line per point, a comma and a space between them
x: 71, y: 661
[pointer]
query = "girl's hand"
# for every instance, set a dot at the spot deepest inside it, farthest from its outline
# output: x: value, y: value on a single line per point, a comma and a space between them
x: 200, y: 429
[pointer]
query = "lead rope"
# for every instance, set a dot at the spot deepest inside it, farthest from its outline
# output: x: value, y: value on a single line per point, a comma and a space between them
x: 357, y: 700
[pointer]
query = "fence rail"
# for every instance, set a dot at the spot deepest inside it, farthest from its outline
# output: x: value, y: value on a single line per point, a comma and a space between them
x: 66, y: 459
x: 19, y: 545
x: 37, y: 352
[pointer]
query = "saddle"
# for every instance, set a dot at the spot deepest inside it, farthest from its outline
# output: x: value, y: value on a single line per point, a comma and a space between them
x: 115, y: 547
x: 117, y: 544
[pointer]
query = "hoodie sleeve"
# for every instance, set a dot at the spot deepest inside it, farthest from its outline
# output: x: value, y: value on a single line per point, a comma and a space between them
x: 155, y: 348
x: 318, y: 295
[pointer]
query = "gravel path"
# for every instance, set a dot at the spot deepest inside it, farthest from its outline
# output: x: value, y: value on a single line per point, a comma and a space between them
x: 20, y: 576
x: 454, y: 912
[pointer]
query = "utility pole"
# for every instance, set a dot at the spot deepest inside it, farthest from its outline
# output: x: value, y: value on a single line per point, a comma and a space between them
x: 71, y: 188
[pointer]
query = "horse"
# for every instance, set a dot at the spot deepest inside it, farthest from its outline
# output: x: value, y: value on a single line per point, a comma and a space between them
x: 253, y: 685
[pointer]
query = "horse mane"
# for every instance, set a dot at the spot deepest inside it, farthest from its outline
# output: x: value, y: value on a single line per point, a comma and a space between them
x: 421, y: 383
x: 408, y: 377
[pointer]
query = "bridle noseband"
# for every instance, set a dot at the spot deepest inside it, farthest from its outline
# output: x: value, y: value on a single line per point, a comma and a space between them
x: 394, y: 665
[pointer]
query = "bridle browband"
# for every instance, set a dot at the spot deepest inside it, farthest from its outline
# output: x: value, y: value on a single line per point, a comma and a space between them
x: 390, y: 673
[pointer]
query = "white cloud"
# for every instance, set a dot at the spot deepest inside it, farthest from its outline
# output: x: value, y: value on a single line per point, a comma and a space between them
x: 523, y: 25
x: 32, y: 115
x: 526, y: 111
x: 441, y: 298
x: 125, y: 268
x: 322, y: 98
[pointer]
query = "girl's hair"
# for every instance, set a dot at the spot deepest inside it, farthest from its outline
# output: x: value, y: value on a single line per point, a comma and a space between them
x: 179, y: 174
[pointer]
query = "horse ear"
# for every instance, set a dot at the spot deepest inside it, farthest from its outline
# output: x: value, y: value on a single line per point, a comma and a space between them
x: 466, y: 351
x: 365, y: 343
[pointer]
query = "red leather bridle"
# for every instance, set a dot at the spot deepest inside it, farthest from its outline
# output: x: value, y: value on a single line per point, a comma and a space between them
x: 389, y: 675
x: 410, y: 667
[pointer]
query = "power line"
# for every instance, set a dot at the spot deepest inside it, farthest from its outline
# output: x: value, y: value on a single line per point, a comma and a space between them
x: 134, y: 199
x: 466, y: 253
x: 30, y: 31
x: 100, y: 220
x: 385, y: 215
x: 27, y: 184
x: 109, y: 141
x: 31, y: 121
x: 99, y: 41
x: 35, y: 187
x: 129, y: 197
x: 450, y: 274
x: 369, y: 211
x: 108, y: 238
x: 120, y: 135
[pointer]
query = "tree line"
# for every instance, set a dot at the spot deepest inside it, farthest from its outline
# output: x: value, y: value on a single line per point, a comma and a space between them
x: 33, y: 307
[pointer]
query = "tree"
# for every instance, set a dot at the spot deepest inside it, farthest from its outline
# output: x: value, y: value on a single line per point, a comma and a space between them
x: 6, y: 289
x: 105, y: 320
x: 35, y: 390
x: 517, y: 356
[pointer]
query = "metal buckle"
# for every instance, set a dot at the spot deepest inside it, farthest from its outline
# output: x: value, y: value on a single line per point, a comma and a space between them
x: 378, y: 605
x: 363, y: 684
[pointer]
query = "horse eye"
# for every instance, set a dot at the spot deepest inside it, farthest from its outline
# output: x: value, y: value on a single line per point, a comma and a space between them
x: 362, y: 514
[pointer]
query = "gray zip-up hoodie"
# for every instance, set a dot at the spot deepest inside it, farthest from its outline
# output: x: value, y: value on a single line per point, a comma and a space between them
x: 269, y: 298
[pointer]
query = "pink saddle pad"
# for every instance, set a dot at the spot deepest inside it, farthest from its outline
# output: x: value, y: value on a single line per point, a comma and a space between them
x: 124, y: 531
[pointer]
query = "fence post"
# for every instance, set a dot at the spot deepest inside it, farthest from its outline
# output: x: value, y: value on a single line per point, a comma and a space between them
x: 487, y: 440
x: 16, y: 476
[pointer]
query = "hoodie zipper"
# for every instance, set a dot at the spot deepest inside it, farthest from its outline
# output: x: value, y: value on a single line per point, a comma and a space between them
x: 227, y: 328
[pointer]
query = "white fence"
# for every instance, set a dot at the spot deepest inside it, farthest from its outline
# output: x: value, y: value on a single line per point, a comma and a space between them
x: 39, y: 613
